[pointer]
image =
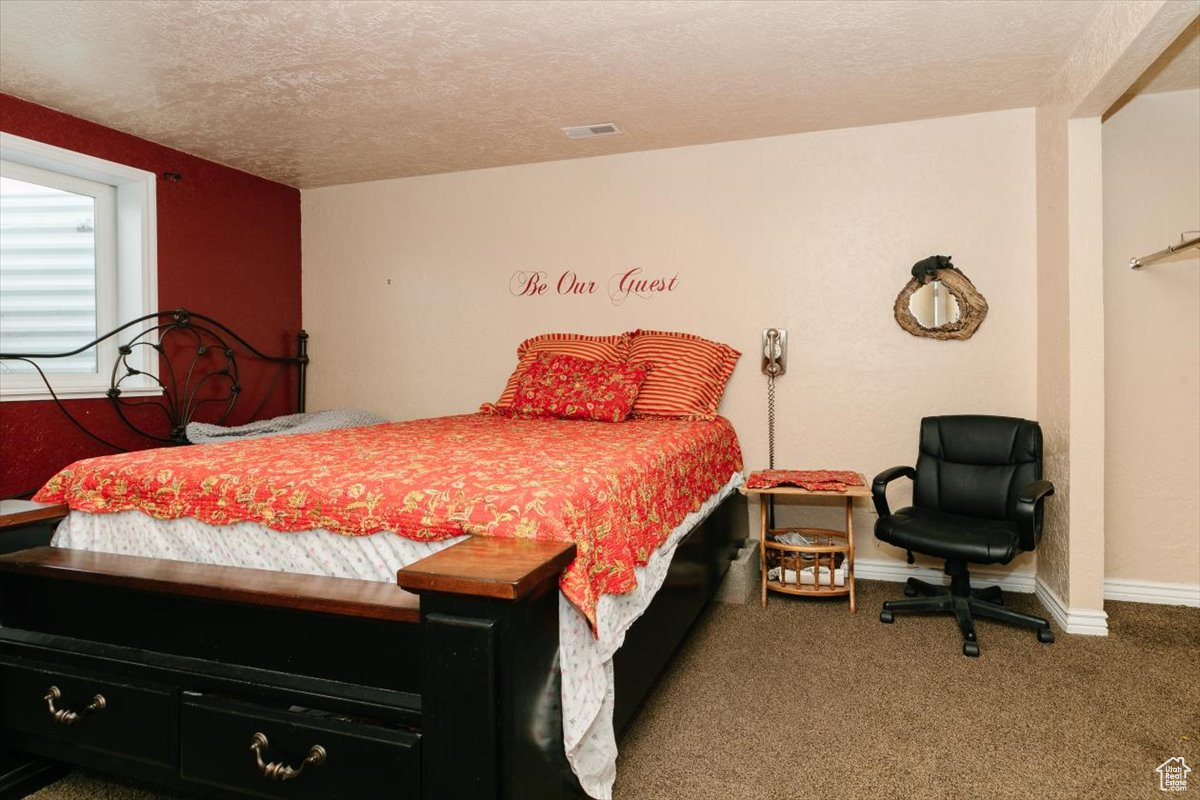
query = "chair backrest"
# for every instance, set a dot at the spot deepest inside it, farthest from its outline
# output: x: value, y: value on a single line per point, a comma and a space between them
x: 976, y: 465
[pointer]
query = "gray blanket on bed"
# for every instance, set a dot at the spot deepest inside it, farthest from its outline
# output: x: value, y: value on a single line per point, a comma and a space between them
x: 314, y: 422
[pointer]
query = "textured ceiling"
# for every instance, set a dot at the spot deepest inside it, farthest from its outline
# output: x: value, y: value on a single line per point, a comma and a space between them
x: 1177, y: 68
x: 321, y: 93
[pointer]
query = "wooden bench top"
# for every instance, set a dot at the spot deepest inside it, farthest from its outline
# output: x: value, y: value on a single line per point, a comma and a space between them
x: 505, y: 569
x: 318, y: 593
x: 483, y: 566
x: 19, y: 513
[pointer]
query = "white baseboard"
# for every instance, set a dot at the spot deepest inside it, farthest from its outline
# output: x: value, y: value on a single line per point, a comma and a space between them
x: 1085, y: 621
x: 1072, y: 620
x: 899, y: 572
x: 1168, y: 594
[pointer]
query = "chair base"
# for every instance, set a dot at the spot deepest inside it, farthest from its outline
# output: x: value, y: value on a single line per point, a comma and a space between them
x: 965, y: 604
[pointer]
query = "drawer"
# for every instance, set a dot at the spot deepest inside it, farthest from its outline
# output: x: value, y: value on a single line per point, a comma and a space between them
x: 359, y: 758
x: 132, y: 722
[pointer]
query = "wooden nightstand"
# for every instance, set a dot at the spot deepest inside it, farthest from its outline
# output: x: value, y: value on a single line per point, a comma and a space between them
x: 822, y: 554
x: 24, y: 523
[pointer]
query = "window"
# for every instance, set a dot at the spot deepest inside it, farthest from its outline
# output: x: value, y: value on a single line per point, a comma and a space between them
x: 77, y: 258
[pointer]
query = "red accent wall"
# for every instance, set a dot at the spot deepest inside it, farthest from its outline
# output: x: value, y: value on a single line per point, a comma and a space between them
x: 228, y: 247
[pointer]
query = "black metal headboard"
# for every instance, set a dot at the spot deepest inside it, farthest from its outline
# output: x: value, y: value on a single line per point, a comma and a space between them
x: 198, y: 368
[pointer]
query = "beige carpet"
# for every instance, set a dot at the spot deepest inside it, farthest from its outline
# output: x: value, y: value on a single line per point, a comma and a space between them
x: 803, y: 700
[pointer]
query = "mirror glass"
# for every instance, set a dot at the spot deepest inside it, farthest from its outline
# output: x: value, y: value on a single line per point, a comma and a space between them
x: 947, y: 307
x: 934, y: 305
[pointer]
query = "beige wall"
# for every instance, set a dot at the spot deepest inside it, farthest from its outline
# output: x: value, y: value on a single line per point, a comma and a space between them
x: 406, y: 281
x: 1054, y: 336
x: 1123, y: 40
x: 1152, y: 341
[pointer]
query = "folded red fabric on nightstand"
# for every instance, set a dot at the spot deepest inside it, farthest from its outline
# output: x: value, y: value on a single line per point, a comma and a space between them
x: 813, y: 480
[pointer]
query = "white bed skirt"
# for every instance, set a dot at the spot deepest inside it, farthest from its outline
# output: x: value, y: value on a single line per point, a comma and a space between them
x: 586, y: 661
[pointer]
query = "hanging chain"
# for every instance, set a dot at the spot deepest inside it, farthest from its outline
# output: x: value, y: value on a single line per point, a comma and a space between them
x: 771, y: 443
x: 770, y: 421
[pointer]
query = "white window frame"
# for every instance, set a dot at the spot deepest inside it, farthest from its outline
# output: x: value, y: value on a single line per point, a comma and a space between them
x: 104, y: 274
x: 128, y: 291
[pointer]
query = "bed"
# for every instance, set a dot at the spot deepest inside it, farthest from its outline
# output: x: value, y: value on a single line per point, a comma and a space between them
x: 233, y: 677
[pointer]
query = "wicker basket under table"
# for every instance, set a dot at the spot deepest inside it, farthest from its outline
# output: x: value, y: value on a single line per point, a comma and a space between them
x: 836, y: 547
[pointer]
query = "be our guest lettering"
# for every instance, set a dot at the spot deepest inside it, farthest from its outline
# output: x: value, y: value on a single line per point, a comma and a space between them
x: 620, y: 286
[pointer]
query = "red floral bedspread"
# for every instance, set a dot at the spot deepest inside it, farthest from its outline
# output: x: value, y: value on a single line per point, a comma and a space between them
x: 616, y: 490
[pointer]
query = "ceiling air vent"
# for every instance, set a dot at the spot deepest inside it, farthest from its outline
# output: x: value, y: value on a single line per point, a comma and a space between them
x: 588, y: 131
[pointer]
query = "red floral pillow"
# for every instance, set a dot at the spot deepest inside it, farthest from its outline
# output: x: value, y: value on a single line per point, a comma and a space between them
x: 564, y: 386
x: 580, y: 345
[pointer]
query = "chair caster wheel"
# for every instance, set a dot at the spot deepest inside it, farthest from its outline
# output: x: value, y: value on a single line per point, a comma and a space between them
x: 909, y: 591
x: 1045, y: 635
x: 886, y: 616
x: 971, y: 649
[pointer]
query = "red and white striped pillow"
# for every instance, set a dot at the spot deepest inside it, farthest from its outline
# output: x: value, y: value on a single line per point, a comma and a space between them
x: 688, y: 376
x: 592, y: 348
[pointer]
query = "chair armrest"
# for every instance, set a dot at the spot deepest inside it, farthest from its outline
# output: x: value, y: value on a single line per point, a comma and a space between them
x: 879, y: 487
x: 1029, y: 512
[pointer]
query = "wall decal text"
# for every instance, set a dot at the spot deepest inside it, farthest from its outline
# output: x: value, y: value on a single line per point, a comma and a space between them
x: 619, y: 287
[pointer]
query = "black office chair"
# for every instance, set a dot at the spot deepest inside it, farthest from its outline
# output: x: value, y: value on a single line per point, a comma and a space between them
x: 977, y: 498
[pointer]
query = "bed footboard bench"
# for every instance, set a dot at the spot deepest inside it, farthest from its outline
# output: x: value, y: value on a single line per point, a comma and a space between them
x: 192, y: 661
x: 407, y: 697
x: 445, y: 686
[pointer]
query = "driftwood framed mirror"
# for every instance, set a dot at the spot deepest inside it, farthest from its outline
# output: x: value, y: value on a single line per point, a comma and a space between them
x: 940, y: 302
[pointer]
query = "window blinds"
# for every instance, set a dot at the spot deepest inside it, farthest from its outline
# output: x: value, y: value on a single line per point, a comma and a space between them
x: 47, y: 274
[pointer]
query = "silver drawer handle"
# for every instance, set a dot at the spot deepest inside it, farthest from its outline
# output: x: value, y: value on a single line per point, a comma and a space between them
x: 66, y: 716
x: 277, y: 770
